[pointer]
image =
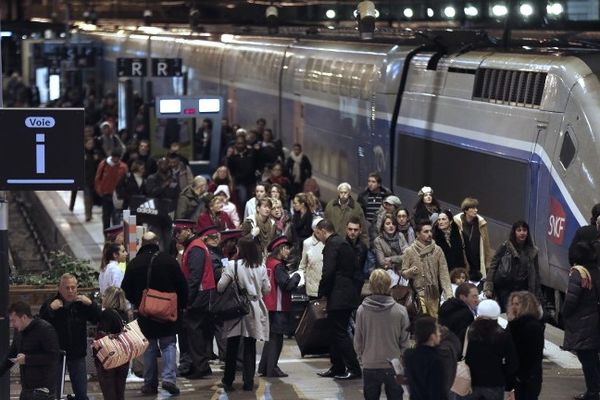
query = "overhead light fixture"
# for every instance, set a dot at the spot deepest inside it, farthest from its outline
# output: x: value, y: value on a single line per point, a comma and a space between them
x: 430, y: 12
x: 330, y: 14
x: 147, y: 17
x: 408, y: 13
x: 555, y: 9
x: 272, y: 14
x: 526, y: 10
x: 499, y: 10
x: 450, y: 12
x: 471, y: 11
x: 366, y: 14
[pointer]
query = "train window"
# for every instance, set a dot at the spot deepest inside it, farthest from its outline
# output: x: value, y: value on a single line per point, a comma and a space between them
x: 336, y: 73
x: 310, y: 65
x: 357, y: 71
x: 316, y: 82
x: 369, y: 77
x: 567, y: 151
x: 326, y: 75
x: 346, y: 80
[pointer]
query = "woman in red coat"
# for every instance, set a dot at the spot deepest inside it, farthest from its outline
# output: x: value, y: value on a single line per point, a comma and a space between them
x: 214, y: 215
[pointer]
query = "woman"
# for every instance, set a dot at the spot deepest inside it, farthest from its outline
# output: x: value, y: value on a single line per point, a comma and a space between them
x: 389, y: 206
x: 214, y: 216
x: 110, y: 272
x: 252, y: 277
x: 491, y: 355
x: 427, y: 207
x: 527, y: 331
x: 278, y: 302
x: 278, y: 193
x: 260, y: 225
x: 277, y: 177
x: 447, y: 235
x: 222, y: 176
x: 228, y: 207
x: 301, y: 220
x: 381, y: 334
x: 112, y: 319
x: 581, y: 318
x: 281, y: 218
x: 298, y: 168
x: 132, y: 184
x: 514, y: 267
x: 389, y: 245
x: 404, y: 225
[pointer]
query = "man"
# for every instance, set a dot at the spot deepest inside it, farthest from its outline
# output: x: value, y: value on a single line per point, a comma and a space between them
x: 260, y: 192
x: 425, y: 265
x: 197, y: 268
x: 589, y: 232
x: 242, y: 164
x: 109, y: 173
x: 371, y: 199
x: 166, y: 276
x: 459, y: 312
x: 311, y: 262
x: 338, y: 211
x: 339, y: 285
x: 192, y: 199
x: 163, y: 185
x: 143, y: 155
x: 202, y: 140
x: 181, y: 173
x: 353, y: 231
x: 69, y: 312
x: 109, y: 141
x: 298, y: 168
x: 35, y: 349
x: 476, y: 238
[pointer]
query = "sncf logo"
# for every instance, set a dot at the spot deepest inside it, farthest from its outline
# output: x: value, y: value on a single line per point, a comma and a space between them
x: 557, y: 222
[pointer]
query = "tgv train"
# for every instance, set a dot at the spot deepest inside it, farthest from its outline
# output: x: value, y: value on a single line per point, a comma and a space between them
x: 518, y: 129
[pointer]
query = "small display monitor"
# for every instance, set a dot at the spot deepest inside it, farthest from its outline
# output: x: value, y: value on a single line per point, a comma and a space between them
x: 209, y: 105
x: 169, y: 106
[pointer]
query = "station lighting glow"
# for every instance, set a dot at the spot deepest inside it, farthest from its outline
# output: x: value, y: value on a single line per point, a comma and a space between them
x: 330, y: 14
x: 499, y: 10
x: 430, y: 12
x: 471, y: 11
x: 449, y: 12
x: 526, y: 10
x: 555, y: 9
x: 408, y: 13
x: 169, y: 106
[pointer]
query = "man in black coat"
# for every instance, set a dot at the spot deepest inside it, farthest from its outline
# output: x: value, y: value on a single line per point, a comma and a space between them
x: 353, y: 231
x: 589, y: 232
x: 340, y: 281
x: 457, y: 313
x: 166, y: 276
x: 69, y: 313
x: 35, y: 349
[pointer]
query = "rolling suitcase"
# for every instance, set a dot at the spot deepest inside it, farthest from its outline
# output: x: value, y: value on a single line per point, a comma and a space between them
x: 63, y: 369
x: 313, y: 332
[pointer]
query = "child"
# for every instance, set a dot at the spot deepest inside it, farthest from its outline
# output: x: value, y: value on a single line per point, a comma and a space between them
x: 457, y: 277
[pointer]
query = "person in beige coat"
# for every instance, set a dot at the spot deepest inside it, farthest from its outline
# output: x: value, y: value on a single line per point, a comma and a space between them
x: 473, y: 229
x: 311, y: 263
x: 424, y: 264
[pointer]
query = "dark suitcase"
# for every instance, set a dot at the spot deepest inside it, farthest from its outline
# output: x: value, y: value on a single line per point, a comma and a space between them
x: 313, y: 332
x: 299, y: 303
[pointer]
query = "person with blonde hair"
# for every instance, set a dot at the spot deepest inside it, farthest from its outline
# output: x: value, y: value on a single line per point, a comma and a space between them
x: 381, y: 334
x: 112, y: 319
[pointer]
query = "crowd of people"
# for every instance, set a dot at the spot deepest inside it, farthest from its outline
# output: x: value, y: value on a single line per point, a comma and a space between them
x: 387, y: 271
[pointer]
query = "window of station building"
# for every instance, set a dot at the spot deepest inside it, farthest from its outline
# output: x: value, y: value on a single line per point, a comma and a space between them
x: 567, y: 151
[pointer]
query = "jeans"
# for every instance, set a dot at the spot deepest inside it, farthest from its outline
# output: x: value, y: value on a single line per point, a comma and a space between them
x: 374, y: 378
x: 78, y: 374
x: 590, y: 364
x: 484, y: 393
x: 342, y: 352
x: 168, y: 350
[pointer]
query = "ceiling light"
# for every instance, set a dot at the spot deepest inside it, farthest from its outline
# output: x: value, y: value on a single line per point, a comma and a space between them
x: 330, y: 14
x: 471, y: 11
x: 449, y: 12
x: 408, y: 13
x: 430, y: 12
x: 526, y: 10
x: 555, y: 9
x: 499, y: 10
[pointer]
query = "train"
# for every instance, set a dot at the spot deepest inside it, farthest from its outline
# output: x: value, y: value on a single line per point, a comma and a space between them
x: 517, y: 127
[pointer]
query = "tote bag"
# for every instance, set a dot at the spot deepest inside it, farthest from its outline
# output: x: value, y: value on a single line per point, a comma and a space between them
x: 232, y: 303
x: 115, y: 350
x: 462, y: 381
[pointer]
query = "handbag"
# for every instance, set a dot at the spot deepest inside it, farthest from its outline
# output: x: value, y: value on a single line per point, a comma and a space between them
x: 462, y: 380
x: 157, y: 305
x: 115, y: 350
x: 232, y: 303
x: 409, y: 298
x: 503, y: 275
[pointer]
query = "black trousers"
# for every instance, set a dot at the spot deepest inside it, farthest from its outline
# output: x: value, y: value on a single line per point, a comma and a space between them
x: 270, y: 354
x: 249, y: 368
x: 112, y: 381
x: 199, y: 328
x: 108, y: 210
x: 590, y: 364
x: 343, y: 356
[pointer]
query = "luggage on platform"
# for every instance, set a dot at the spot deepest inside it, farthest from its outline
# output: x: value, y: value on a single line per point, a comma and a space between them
x: 313, y: 332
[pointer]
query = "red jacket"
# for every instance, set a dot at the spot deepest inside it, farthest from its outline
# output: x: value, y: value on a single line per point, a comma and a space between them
x: 107, y: 177
x: 208, y: 276
x: 223, y: 221
x: 277, y: 299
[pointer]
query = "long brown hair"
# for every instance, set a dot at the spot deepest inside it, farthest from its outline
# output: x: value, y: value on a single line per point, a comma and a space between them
x: 249, y: 251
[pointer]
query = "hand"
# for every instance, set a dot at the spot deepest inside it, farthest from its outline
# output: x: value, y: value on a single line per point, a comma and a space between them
x: 255, y: 231
x: 56, y: 304
x: 83, y: 299
x: 414, y: 270
x: 19, y: 359
x: 488, y: 294
x: 510, y: 395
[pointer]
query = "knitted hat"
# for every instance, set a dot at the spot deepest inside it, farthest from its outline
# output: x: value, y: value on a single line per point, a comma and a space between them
x: 393, y: 200
x: 488, y: 309
x: 425, y: 190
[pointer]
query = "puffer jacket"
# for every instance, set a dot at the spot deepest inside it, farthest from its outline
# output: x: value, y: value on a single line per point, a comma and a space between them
x: 580, y: 313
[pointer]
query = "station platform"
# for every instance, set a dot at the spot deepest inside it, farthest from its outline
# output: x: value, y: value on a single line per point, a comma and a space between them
x: 563, y: 377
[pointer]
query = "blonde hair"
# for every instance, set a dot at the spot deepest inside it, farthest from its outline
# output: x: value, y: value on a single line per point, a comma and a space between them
x: 114, y: 297
x: 380, y: 282
x: 530, y: 305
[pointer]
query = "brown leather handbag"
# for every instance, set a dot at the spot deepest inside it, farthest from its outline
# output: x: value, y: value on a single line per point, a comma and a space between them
x: 156, y: 305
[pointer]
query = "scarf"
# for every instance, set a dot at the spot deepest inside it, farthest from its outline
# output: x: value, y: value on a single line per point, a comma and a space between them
x: 447, y: 233
x: 296, y: 167
x: 425, y: 252
x: 266, y: 233
x: 393, y: 241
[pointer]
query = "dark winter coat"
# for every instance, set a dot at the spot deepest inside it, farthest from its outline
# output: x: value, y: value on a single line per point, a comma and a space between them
x: 580, y: 313
x: 584, y: 234
x: 305, y: 169
x: 189, y: 205
x: 456, y: 315
x: 302, y: 226
x: 450, y: 351
x: 341, y: 276
x: 39, y: 343
x: 128, y: 187
x: 242, y: 167
x: 455, y: 251
x: 70, y: 322
x: 491, y: 355
x: 424, y: 370
x: 166, y: 277
x: 528, y: 336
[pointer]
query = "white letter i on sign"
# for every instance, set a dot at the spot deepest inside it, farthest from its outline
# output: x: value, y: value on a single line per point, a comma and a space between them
x: 40, y: 153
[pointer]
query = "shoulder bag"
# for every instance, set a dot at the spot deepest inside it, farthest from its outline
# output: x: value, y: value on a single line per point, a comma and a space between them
x: 157, y: 305
x: 462, y: 380
x: 503, y: 275
x: 115, y: 350
x: 232, y: 303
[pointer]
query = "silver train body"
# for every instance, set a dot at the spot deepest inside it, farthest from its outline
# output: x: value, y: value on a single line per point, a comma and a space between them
x: 518, y: 130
